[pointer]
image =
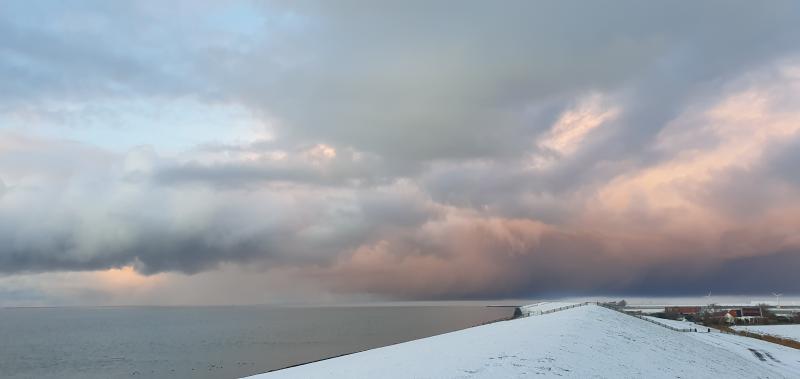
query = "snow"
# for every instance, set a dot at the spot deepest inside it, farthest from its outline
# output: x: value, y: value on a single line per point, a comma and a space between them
x: 644, y: 310
x: 782, y: 331
x: 782, y: 360
x: 544, y: 307
x: 584, y: 341
x: 678, y: 324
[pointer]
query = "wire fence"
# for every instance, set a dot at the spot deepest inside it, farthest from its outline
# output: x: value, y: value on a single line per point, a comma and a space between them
x: 553, y: 310
x: 670, y: 327
x: 726, y: 330
x: 534, y: 312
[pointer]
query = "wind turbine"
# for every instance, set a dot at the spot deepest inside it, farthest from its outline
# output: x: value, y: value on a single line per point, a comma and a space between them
x: 778, y: 298
x: 708, y: 301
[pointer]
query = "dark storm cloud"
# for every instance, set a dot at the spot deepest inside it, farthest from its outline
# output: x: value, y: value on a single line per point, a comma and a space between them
x: 156, y: 251
x: 766, y: 273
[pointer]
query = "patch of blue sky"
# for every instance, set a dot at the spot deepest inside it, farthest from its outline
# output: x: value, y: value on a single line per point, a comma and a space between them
x: 241, y: 18
x: 168, y: 125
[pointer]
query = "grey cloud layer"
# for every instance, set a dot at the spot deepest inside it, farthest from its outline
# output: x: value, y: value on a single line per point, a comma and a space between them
x: 431, y: 80
x: 411, y: 81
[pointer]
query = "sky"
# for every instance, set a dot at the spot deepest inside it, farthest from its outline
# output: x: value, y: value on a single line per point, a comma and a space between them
x: 204, y: 152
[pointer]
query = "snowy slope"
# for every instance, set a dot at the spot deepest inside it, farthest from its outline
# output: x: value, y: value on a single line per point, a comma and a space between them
x: 777, y: 358
x: 586, y: 341
x: 783, y: 331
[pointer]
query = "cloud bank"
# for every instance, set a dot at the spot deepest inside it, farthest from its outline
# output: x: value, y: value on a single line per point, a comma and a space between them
x: 412, y: 151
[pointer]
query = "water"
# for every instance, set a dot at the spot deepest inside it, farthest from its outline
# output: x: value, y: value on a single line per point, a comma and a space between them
x: 207, y: 342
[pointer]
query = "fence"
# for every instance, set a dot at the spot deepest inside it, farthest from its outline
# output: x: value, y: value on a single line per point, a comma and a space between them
x: 764, y: 337
x: 538, y: 313
x: 670, y: 327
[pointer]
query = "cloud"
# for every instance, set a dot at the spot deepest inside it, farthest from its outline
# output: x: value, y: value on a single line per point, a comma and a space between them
x: 482, y: 151
x: 759, y: 275
x: 89, y: 216
x: 427, y: 84
x: 240, y: 166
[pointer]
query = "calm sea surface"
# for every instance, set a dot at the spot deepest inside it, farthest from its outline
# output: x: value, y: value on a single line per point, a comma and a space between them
x: 207, y: 342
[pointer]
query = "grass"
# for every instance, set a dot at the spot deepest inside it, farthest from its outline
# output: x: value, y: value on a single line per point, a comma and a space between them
x: 764, y: 337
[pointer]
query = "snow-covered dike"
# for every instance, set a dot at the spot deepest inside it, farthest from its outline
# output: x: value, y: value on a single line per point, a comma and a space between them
x: 585, y: 341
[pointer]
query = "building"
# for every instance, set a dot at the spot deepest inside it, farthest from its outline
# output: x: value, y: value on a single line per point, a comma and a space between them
x: 751, y: 312
x: 683, y: 310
